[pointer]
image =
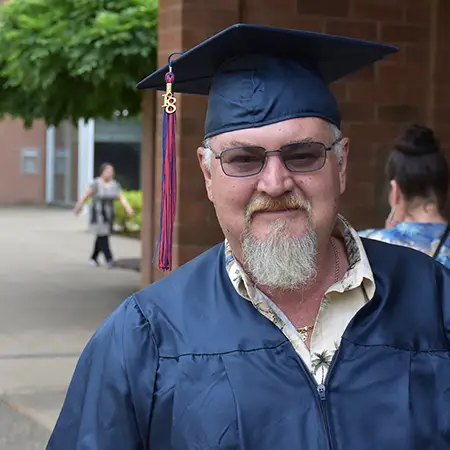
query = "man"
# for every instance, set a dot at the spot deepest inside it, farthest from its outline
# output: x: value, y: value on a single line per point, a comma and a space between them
x: 293, y: 333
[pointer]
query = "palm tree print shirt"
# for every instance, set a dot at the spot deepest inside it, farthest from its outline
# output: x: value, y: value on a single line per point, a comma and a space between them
x: 340, y: 303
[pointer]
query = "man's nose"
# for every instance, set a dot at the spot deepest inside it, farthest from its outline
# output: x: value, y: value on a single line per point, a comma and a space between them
x: 275, y: 179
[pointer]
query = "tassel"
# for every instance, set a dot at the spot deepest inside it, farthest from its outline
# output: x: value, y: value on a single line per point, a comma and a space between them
x: 169, y: 177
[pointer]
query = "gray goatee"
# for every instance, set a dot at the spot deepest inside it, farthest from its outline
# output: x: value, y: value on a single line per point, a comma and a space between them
x: 279, y: 260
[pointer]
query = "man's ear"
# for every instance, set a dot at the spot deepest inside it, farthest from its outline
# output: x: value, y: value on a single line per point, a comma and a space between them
x: 345, y: 145
x: 205, y: 166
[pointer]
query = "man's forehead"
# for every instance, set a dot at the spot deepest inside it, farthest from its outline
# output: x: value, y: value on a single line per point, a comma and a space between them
x: 277, y: 134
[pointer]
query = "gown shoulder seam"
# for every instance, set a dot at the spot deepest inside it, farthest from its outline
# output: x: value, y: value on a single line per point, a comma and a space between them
x: 257, y: 349
x: 411, y: 350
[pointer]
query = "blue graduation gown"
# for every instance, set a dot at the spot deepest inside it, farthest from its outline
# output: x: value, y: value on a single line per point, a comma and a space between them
x: 186, y: 363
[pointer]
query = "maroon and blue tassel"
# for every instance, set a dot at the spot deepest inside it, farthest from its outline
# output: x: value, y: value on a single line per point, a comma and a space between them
x: 169, y: 177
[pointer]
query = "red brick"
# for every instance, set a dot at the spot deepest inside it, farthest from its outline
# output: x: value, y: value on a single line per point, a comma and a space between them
x: 366, y: 73
x: 374, y: 132
x: 398, y: 75
x: 357, y: 112
x: 361, y: 193
x: 192, y: 213
x: 281, y: 19
x: 167, y: 4
x: 377, y: 10
x: 442, y: 68
x: 190, y: 127
x: 216, y: 19
x: 169, y: 41
x: 170, y: 18
x: 189, y: 142
x: 193, y: 104
x: 374, y: 93
x: 187, y: 155
x: 188, y: 148
x: 361, y: 217
x: 442, y: 95
x: 398, y: 58
x: 330, y: 8
x: 275, y: 19
x: 442, y: 115
x: 351, y: 28
x: 270, y: 6
x: 197, y: 235
x: 195, y: 36
x: 188, y: 252
x: 404, y: 33
x: 223, y: 5
x: 418, y: 14
x: 339, y: 91
x: 400, y: 113
x: 442, y: 32
x: 442, y: 28
x: 16, y: 187
x: 417, y: 54
x: 362, y: 159
x: 416, y: 94
x: 309, y: 23
x: 395, y: 58
x: 443, y: 12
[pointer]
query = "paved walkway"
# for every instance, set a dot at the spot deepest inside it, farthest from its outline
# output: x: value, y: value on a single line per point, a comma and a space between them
x: 51, y: 301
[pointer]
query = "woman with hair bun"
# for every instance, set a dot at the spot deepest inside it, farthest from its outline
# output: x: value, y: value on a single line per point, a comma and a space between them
x: 419, y: 176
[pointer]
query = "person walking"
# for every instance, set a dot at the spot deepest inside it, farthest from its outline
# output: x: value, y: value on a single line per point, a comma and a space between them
x: 103, y: 191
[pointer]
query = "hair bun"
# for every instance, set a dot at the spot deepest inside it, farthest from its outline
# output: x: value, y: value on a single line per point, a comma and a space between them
x: 417, y: 140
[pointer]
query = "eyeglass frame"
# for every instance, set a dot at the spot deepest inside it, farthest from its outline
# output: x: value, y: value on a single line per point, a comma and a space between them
x: 327, y: 149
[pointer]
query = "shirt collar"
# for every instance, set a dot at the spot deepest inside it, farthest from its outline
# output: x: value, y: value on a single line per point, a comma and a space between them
x: 358, y: 274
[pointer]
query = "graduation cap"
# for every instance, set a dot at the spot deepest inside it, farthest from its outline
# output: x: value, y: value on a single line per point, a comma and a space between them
x: 254, y: 76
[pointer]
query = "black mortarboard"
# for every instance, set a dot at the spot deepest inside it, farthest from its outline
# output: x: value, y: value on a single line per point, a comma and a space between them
x: 253, y: 76
x: 256, y: 75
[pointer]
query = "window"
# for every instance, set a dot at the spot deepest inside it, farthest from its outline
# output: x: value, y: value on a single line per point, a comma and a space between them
x: 31, y: 161
x: 61, y: 156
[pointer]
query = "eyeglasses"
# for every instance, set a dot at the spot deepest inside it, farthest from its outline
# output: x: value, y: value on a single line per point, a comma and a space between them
x: 304, y: 156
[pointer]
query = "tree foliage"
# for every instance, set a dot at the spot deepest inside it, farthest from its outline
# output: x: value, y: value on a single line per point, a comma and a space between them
x: 67, y: 59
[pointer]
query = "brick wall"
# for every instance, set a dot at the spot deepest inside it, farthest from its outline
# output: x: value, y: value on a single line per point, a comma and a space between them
x: 16, y: 187
x: 439, y: 103
x: 375, y: 102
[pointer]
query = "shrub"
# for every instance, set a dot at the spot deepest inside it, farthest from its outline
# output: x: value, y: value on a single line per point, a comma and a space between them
x: 129, y: 224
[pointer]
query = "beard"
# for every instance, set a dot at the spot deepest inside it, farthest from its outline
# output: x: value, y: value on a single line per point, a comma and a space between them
x: 280, y: 261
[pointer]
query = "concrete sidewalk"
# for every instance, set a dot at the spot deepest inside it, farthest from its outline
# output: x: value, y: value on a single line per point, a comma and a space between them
x: 51, y: 302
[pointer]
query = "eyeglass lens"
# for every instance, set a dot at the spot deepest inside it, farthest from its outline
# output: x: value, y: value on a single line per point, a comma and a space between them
x: 298, y: 157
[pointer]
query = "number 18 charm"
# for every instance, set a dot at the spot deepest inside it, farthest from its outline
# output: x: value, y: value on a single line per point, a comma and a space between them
x: 169, y: 100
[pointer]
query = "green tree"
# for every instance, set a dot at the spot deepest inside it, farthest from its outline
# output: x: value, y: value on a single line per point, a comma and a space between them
x: 66, y: 59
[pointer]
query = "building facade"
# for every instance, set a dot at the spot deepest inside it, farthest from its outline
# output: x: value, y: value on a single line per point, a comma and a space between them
x: 376, y: 102
x: 53, y: 165
x: 22, y: 162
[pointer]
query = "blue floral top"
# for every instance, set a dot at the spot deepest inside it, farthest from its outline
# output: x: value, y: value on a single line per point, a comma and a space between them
x: 424, y: 237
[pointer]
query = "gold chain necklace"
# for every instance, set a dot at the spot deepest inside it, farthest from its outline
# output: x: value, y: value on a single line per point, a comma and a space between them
x: 303, y: 331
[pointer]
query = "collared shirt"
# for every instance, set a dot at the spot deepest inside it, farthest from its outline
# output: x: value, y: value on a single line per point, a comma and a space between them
x: 341, y: 302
